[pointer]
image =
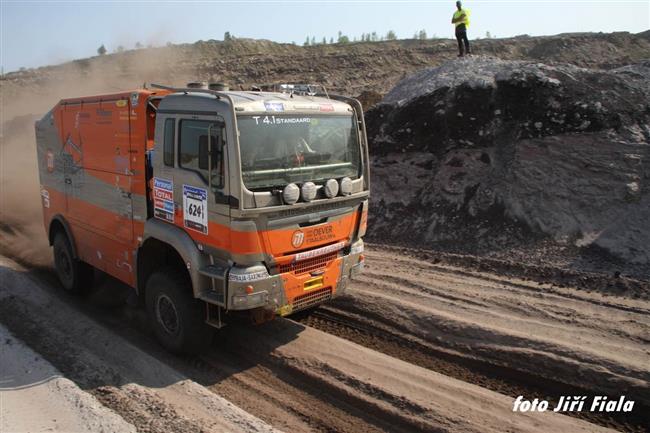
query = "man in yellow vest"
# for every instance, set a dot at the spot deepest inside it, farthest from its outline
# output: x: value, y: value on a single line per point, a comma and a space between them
x: 461, y: 20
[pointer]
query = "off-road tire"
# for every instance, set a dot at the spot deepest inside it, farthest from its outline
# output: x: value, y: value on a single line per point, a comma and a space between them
x: 177, y: 319
x: 75, y: 276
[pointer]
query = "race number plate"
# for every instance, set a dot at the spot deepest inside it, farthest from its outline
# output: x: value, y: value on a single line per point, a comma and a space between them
x: 195, y: 208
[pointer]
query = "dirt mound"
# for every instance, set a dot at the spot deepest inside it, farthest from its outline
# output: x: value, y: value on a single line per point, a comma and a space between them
x: 349, y: 68
x: 487, y: 154
x: 364, y: 69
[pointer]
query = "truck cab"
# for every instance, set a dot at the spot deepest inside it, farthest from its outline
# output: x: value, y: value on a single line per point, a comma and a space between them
x: 253, y: 202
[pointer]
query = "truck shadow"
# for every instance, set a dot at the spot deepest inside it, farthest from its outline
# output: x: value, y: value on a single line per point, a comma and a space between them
x: 98, y: 340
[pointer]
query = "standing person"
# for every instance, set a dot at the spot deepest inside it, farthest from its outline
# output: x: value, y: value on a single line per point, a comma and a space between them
x: 461, y: 20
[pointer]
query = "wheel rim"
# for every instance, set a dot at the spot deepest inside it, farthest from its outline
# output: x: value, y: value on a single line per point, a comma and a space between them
x: 63, y: 264
x: 167, y: 315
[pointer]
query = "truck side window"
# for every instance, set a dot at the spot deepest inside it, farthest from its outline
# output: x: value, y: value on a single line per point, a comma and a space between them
x: 168, y: 147
x: 193, y: 139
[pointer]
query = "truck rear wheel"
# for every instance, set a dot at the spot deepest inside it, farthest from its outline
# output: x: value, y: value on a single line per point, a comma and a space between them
x: 178, y: 319
x: 75, y: 276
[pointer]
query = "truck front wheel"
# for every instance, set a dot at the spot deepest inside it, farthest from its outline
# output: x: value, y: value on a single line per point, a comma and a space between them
x: 177, y: 319
x: 75, y: 275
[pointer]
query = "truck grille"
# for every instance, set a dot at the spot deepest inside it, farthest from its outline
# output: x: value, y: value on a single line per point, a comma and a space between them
x: 311, y: 299
x: 309, y: 265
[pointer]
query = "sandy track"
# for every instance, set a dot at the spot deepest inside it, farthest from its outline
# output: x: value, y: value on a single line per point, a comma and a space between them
x: 30, y: 385
x: 585, y: 339
x: 295, y: 377
x: 142, y: 390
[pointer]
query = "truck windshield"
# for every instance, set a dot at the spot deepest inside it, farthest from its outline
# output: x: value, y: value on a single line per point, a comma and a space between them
x: 280, y: 149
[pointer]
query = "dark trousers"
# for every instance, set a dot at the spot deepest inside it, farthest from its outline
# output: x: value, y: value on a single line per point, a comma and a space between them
x: 461, y: 37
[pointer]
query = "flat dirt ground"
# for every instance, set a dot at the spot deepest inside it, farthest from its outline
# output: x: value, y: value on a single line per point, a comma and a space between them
x: 415, y: 346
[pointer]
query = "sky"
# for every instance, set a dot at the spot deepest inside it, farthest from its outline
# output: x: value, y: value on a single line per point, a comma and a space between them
x: 38, y: 33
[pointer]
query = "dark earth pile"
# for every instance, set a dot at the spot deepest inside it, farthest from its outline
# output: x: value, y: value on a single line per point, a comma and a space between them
x: 487, y: 155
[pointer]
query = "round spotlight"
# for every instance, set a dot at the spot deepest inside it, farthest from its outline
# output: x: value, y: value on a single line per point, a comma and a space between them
x: 291, y: 193
x: 345, y: 186
x: 308, y: 191
x: 331, y: 188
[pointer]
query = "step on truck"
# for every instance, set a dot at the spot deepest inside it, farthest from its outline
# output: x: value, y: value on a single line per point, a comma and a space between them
x: 209, y: 204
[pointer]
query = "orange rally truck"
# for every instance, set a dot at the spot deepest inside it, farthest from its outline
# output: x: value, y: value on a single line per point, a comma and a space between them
x: 207, y: 202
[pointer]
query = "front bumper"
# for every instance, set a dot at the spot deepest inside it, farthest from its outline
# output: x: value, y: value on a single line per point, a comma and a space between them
x: 288, y: 292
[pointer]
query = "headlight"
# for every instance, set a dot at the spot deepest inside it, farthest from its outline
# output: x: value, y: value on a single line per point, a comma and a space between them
x: 357, y: 248
x: 291, y: 193
x: 250, y: 301
x: 331, y: 188
x: 308, y: 191
x: 346, y: 186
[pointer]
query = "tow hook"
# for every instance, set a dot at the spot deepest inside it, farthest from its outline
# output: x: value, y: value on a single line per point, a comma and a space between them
x: 261, y: 315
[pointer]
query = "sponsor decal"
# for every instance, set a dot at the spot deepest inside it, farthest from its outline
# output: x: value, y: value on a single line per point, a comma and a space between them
x: 105, y: 117
x: 314, y: 208
x: 50, y: 160
x: 297, y: 238
x: 81, y: 118
x: 274, y: 106
x: 195, y: 208
x: 75, y: 150
x: 45, y: 194
x: 272, y: 120
x: 319, y: 251
x: 248, y: 277
x: 326, y: 107
x: 163, y: 199
x: 574, y: 403
x: 134, y: 99
x: 120, y: 264
x: 305, y: 107
x: 319, y: 234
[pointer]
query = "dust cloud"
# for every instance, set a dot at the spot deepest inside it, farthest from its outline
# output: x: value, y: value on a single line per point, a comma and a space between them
x: 24, y: 98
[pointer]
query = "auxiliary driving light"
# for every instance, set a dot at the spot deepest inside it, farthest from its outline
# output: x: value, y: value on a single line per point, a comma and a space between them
x: 346, y: 186
x: 308, y: 191
x: 291, y: 193
x: 331, y: 188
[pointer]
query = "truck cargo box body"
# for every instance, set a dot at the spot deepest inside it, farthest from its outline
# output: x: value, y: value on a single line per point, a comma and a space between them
x: 91, y: 155
x: 125, y: 169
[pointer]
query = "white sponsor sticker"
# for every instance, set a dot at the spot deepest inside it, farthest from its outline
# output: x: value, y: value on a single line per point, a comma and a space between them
x: 245, y: 278
x: 46, y: 198
x: 319, y: 251
x: 195, y: 208
x: 274, y: 106
x: 50, y: 161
